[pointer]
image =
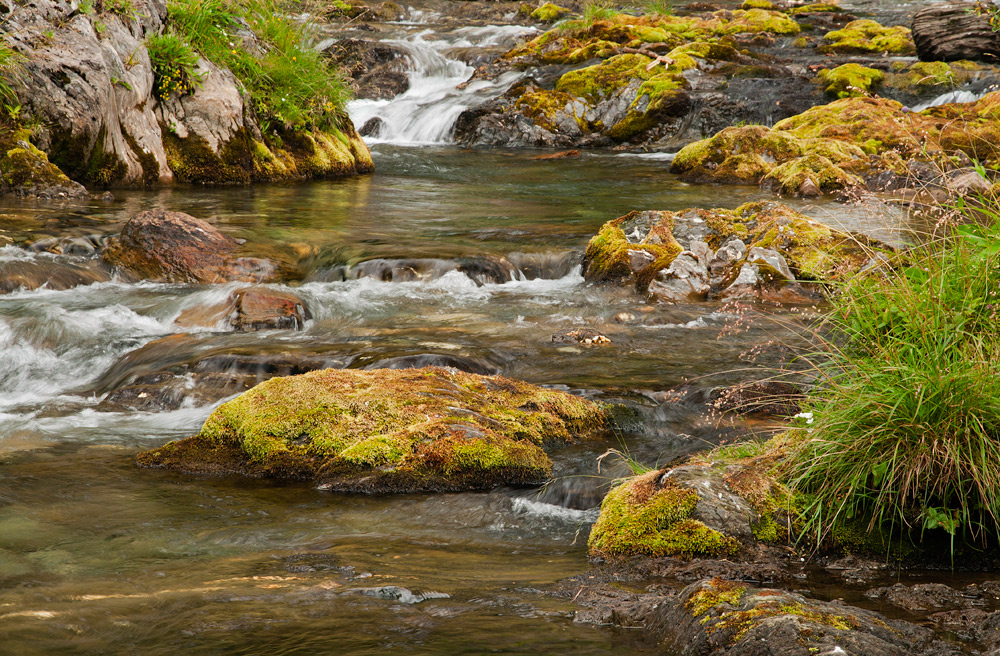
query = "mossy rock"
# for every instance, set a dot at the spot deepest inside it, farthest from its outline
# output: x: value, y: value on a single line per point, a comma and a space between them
x: 649, y: 515
x: 614, y: 254
x: 754, y: 21
x: 387, y: 431
x: 27, y: 172
x: 932, y: 77
x: 868, y: 36
x: 849, y: 80
x: 549, y: 13
x: 290, y: 155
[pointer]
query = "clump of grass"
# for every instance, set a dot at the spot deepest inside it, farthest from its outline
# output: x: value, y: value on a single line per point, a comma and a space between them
x: 597, y: 10
x: 174, y: 65
x: 907, y: 413
x: 658, y: 7
x: 289, y: 84
x: 10, y: 70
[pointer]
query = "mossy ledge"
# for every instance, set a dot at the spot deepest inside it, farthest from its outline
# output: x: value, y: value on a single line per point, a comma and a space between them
x: 387, y: 430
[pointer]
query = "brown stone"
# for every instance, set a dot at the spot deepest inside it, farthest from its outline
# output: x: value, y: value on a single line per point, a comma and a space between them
x: 176, y: 247
x: 249, y: 309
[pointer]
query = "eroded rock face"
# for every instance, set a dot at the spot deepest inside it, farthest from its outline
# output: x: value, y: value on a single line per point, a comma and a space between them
x: 177, y: 247
x: 386, y: 431
x: 89, y: 82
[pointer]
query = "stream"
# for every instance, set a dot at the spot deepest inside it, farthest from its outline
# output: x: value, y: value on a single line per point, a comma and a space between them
x: 97, y: 556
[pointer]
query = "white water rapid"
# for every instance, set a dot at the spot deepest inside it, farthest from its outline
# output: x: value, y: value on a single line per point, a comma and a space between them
x: 426, y: 113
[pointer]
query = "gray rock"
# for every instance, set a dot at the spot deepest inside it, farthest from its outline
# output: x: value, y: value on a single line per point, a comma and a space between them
x: 686, y: 279
x: 731, y: 252
x: 770, y: 264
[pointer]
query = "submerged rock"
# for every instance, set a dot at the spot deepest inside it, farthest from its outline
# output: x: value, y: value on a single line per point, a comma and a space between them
x: 249, y: 309
x: 387, y: 431
x: 18, y: 275
x: 177, y: 247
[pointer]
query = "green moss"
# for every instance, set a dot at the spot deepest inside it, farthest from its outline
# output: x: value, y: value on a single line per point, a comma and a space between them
x: 25, y: 169
x: 927, y: 77
x: 757, y: 4
x: 387, y: 430
x: 607, y: 255
x: 713, y: 595
x: 147, y: 160
x: 755, y: 20
x: 866, y: 35
x: 850, y: 80
x: 790, y: 177
x: 650, y: 517
x: 739, y: 154
x: 549, y: 13
x: 596, y: 82
x: 817, y: 7
x: 801, y: 42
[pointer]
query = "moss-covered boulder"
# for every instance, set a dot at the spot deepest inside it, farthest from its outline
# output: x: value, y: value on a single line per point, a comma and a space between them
x: 25, y: 171
x: 634, y: 248
x: 387, y: 431
x: 868, y: 36
x: 849, y: 80
x: 650, y: 515
x: 549, y: 12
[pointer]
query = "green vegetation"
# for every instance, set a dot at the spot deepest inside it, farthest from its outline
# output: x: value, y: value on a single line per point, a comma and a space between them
x: 174, y: 66
x: 289, y: 85
x: 849, y: 80
x: 907, y: 416
x: 651, y: 516
x: 388, y: 430
x: 10, y: 67
x: 598, y: 10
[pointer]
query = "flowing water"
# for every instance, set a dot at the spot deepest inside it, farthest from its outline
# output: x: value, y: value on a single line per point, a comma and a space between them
x: 97, y: 556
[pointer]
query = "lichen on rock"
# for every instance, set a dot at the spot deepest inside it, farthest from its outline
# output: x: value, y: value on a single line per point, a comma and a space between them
x: 387, y: 430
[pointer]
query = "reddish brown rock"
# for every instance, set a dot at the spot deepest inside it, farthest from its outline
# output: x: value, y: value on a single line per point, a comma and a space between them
x: 176, y: 247
x: 251, y: 308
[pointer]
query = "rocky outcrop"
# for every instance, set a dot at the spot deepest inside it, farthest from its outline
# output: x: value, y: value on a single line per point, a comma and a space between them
x: 758, y: 249
x: 853, y: 143
x: 387, y: 431
x: 176, y: 247
x: 950, y: 31
x: 89, y: 82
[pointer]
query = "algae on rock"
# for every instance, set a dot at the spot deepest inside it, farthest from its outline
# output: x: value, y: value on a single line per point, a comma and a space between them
x: 387, y: 430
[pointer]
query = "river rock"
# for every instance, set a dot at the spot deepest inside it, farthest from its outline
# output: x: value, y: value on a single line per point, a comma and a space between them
x: 26, y: 172
x: 88, y: 83
x: 715, y: 617
x: 686, y: 279
x: 784, y: 245
x: 16, y: 275
x: 195, y: 370
x: 176, y: 247
x: 386, y: 431
x: 377, y: 70
x: 950, y: 31
x: 250, y: 309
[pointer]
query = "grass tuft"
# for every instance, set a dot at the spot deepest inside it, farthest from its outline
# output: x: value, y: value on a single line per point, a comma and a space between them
x: 906, y: 434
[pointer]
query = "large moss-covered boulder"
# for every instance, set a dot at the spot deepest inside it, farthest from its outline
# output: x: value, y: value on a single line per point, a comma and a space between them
x: 25, y: 171
x: 387, y: 430
x: 868, y: 36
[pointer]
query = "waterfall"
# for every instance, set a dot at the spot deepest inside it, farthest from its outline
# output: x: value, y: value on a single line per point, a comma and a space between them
x: 426, y: 112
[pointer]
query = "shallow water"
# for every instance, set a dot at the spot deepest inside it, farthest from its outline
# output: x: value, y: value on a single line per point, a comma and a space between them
x: 97, y: 556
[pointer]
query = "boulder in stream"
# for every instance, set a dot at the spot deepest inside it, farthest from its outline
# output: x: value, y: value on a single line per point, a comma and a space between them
x: 386, y: 431
x: 177, y: 247
x: 754, y: 249
x: 250, y: 309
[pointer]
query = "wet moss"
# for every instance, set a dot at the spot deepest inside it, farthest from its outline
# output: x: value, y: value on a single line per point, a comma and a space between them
x: 849, y: 80
x: 607, y: 257
x: 754, y: 21
x: 816, y: 7
x: 150, y: 167
x: 24, y: 169
x: 811, y: 171
x: 542, y: 107
x: 736, y: 155
x: 712, y: 595
x: 648, y: 516
x: 387, y: 430
x: 549, y: 13
x: 868, y: 36
x: 928, y: 77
